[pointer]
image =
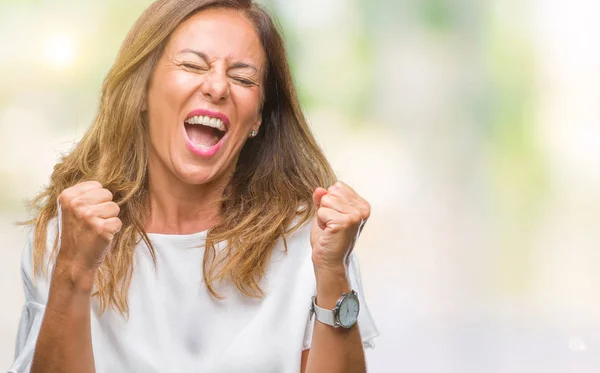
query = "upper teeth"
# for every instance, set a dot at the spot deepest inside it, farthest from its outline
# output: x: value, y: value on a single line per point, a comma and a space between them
x: 207, y: 121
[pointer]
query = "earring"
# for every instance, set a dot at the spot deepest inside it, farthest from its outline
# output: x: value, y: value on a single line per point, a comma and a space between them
x: 253, y: 134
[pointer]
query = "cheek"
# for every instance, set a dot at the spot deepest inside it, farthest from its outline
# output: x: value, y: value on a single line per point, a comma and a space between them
x: 166, y: 98
x: 248, y: 102
x: 168, y: 94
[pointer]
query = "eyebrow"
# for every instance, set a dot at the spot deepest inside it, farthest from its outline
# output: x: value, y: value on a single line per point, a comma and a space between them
x: 236, y: 65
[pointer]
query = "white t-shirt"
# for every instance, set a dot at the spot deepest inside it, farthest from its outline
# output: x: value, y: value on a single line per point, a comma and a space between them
x: 175, y: 325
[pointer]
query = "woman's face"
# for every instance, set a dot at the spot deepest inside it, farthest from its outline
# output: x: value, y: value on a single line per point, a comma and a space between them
x: 204, y: 97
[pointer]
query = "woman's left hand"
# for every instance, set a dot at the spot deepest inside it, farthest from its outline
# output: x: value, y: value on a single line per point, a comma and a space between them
x: 341, y: 214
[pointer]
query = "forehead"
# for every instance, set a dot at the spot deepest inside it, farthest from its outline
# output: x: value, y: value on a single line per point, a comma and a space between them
x: 220, y: 34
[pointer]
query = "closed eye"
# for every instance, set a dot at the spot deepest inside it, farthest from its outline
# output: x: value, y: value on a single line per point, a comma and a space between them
x: 243, y: 81
x: 192, y: 66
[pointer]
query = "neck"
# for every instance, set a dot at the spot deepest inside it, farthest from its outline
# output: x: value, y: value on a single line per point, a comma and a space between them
x: 179, y: 208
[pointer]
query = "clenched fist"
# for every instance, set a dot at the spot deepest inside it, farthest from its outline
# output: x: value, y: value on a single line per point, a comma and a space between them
x: 89, y: 221
x: 341, y: 214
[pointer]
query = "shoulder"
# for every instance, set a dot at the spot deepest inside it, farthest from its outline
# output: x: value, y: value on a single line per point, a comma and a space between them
x: 36, y: 278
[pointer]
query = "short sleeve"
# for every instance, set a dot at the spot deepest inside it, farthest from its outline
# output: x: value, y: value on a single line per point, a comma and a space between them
x: 36, y: 296
x: 366, y: 324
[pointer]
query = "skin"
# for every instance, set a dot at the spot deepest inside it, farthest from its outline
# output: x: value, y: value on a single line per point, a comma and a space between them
x: 189, y: 186
x: 184, y: 81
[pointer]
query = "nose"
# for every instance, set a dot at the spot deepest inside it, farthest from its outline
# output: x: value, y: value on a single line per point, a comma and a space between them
x: 215, y: 88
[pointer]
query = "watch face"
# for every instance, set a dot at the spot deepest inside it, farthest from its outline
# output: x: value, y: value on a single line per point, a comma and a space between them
x: 348, y: 313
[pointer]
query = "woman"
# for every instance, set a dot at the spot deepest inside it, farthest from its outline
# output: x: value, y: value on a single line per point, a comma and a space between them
x: 188, y: 230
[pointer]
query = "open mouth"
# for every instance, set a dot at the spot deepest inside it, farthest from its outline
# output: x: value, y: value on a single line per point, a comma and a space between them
x: 205, y: 132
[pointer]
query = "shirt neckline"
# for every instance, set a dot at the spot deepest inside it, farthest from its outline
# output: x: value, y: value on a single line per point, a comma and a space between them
x: 178, y: 237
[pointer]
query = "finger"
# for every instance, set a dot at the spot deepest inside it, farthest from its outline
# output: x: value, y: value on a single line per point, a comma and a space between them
x: 354, y: 199
x: 77, y: 190
x: 337, y: 203
x: 345, y: 192
x: 317, y: 195
x: 105, y: 210
x: 110, y: 227
x: 329, y: 218
x: 96, y: 196
x: 335, y: 219
x: 344, y: 188
x: 86, y: 186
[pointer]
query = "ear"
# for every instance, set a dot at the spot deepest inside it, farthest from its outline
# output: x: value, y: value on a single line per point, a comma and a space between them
x: 256, y: 126
x: 144, y: 105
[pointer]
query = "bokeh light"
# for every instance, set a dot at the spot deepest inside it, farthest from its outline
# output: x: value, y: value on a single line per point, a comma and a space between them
x: 60, y: 50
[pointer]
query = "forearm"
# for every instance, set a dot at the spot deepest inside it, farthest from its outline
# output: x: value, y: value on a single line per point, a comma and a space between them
x: 64, y: 344
x: 334, y: 349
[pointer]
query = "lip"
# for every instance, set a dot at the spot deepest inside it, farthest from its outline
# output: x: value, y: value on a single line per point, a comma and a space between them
x: 206, y: 152
x: 203, y: 152
x: 208, y: 113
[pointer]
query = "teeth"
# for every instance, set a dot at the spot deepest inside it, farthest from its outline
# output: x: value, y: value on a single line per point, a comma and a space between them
x: 207, y: 121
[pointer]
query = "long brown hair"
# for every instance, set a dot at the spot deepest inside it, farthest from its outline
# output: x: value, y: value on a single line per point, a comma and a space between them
x: 269, y: 195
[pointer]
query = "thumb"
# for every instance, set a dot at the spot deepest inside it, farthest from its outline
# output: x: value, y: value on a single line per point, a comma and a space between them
x: 317, y: 195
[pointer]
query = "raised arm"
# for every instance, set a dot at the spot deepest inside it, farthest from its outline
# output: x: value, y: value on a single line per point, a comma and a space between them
x: 87, y: 223
x: 340, y: 214
x: 65, y: 343
x: 334, y: 349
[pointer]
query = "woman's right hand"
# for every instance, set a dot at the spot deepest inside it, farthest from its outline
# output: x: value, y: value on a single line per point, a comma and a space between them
x: 89, y: 222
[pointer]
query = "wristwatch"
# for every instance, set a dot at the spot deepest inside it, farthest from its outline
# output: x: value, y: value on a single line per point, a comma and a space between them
x: 344, y: 314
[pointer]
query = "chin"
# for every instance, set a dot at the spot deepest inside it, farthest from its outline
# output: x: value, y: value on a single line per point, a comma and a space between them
x: 197, y: 175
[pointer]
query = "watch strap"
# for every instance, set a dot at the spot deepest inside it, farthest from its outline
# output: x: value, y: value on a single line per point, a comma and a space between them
x: 323, y: 315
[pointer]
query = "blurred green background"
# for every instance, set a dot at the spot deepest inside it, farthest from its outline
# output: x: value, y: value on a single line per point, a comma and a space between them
x: 471, y: 126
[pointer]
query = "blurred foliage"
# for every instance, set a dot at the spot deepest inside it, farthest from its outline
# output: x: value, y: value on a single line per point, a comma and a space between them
x: 436, y: 14
x: 516, y: 169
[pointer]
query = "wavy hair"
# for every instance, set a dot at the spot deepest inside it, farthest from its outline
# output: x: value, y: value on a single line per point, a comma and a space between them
x: 268, y: 196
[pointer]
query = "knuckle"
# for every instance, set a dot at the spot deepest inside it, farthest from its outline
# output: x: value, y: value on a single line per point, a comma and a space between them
x: 101, y: 227
x: 108, y: 194
x: 367, y: 208
x: 73, y: 203
x: 88, y: 184
x: 117, y: 208
x: 338, y: 228
x: 87, y: 214
x: 64, y: 197
x: 347, y: 220
x: 119, y: 225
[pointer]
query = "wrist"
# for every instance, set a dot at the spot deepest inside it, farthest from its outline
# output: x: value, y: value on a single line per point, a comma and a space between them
x: 330, y: 287
x: 73, y: 278
x: 338, y: 266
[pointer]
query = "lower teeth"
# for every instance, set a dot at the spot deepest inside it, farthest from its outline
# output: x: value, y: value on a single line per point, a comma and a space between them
x: 202, y: 146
